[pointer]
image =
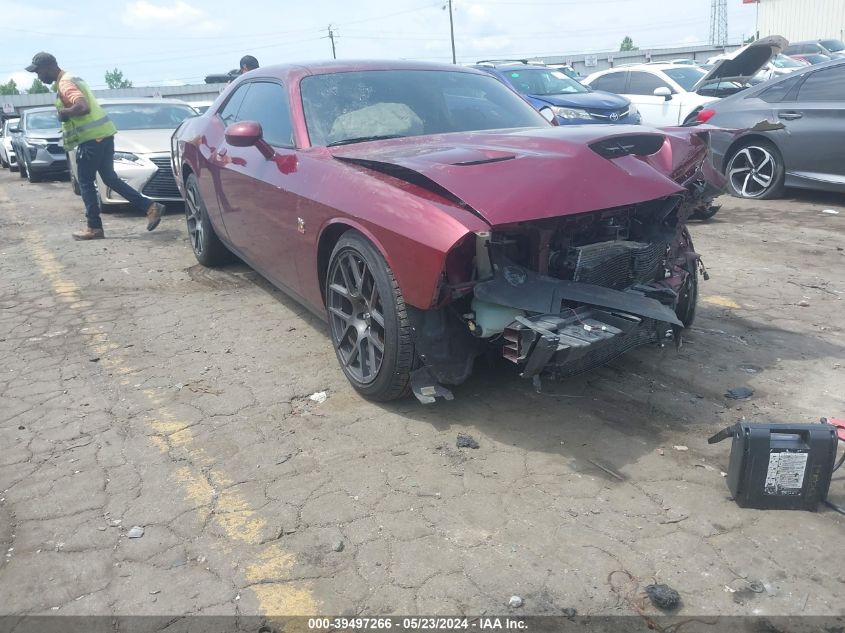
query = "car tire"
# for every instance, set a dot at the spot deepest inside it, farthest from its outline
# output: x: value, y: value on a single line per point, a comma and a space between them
x: 207, y: 247
x: 22, y: 169
x: 688, y: 299
x: 74, y: 184
x: 359, y: 285
x: 30, y: 176
x: 755, y: 158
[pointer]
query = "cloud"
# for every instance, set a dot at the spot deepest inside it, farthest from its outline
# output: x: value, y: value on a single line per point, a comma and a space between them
x: 23, y: 80
x: 179, y: 15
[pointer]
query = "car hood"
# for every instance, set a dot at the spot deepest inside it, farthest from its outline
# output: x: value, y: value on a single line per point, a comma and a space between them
x: 592, y: 99
x: 51, y: 134
x: 510, y: 176
x: 143, y: 141
x: 744, y: 62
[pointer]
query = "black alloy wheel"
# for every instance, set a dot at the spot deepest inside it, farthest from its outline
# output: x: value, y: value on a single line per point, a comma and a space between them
x: 368, y: 320
x: 207, y: 247
x: 756, y: 171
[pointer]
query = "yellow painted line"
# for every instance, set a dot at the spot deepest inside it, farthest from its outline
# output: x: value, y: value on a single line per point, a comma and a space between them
x: 722, y: 302
x: 203, y: 484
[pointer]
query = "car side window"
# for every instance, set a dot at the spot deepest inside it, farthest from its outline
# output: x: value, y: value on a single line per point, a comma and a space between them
x: 645, y: 84
x: 611, y: 82
x: 824, y: 85
x: 267, y: 103
x: 780, y: 90
x: 229, y: 113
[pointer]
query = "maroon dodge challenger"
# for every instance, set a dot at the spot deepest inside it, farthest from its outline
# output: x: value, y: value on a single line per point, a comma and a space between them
x: 430, y: 214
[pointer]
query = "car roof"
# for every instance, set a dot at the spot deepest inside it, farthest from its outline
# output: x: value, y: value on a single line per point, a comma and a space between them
x: 39, y: 109
x: 141, y: 101
x: 295, y: 71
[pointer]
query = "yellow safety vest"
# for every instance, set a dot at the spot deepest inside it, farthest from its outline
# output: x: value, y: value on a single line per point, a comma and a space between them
x: 96, y: 124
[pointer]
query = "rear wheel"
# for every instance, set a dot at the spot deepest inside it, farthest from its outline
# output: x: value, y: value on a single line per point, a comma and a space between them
x: 207, y: 247
x: 756, y: 170
x: 368, y: 321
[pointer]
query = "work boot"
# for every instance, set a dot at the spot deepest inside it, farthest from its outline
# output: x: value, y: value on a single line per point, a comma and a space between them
x: 89, y: 234
x: 154, y: 214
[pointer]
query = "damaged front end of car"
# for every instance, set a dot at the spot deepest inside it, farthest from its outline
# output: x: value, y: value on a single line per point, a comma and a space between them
x: 562, y: 295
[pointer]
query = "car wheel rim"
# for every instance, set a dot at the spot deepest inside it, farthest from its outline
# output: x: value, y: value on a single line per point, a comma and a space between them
x: 752, y: 171
x: 193, y: 214
x: 356, y: 316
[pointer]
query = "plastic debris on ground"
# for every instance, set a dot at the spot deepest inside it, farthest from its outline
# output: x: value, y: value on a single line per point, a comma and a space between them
x: 136, y: 532
x: 319, y: 397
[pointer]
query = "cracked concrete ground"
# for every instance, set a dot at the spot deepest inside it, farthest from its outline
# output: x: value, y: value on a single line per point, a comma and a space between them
x: 139, y: 389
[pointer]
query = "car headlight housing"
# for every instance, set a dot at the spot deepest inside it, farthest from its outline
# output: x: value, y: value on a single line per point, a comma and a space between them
x: 36, y: 142
x: 127, y: 158
x: 570, y: 113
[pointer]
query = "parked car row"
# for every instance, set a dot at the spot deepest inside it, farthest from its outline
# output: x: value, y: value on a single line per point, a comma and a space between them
x: 33, y: 145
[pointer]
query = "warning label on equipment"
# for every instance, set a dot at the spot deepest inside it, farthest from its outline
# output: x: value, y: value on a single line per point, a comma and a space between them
x: 786, y: 473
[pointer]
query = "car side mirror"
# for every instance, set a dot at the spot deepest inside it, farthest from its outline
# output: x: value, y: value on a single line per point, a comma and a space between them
x: 249, y: 134
x: 14, y: 129
x: 664, y: 92
x: 547, y: 113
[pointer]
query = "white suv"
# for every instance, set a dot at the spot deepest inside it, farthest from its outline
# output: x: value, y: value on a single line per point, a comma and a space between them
x: 670, y: 94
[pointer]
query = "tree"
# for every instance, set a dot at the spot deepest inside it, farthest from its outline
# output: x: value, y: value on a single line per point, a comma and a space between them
x: 749, y: 39
x: 114, y: 79
x: 628, y: 44
x: 37, y: 87
x: 10, y: 88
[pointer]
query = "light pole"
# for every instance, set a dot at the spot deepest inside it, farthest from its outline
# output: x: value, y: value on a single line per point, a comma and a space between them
x: 451, y: 29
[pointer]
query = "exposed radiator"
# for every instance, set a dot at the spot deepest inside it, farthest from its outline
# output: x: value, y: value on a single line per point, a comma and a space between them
x: 617, y: 264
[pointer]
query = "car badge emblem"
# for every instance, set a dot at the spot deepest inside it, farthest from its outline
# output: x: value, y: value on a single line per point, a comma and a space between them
x: 614, y: 116
x: 300, y: 225
x: 514, y: 275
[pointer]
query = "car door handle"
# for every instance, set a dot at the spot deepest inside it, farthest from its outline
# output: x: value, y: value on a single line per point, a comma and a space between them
x: 789, y: 116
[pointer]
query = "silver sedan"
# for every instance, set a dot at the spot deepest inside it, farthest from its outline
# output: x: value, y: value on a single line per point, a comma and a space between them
x: 142, y: 147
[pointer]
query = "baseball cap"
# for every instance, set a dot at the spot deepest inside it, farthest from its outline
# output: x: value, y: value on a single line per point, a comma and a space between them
x: 40, y: 59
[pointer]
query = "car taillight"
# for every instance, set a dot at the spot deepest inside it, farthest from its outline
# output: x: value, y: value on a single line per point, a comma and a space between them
x: 704, y: 115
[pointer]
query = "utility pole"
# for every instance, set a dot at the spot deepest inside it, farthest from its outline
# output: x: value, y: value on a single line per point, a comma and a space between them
x: 331, y: 37
x: 451, y: 30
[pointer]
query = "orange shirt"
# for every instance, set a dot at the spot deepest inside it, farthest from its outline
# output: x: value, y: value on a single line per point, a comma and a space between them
x: 68, y: 91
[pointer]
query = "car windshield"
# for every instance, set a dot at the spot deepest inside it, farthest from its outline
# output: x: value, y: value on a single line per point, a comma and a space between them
x: 783, y: 61
x: 834, y: 46
x: 42, y: 120
x: 366, y: 105
x: 543, y: 81
x: 686, y: 77
x: 148, y: 116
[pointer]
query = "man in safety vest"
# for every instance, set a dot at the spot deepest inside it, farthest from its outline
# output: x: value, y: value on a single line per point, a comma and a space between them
x: 87, y: 129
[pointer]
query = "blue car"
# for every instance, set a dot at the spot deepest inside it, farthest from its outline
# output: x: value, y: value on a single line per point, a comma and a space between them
x: 572, y: 102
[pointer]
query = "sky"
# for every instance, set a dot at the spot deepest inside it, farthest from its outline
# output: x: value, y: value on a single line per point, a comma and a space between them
x: 169, y: 42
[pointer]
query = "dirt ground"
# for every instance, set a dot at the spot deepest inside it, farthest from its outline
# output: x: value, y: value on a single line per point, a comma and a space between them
x: 139, y: 389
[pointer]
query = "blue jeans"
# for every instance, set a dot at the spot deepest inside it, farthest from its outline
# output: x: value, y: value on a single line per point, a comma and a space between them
x: 94, y: 157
